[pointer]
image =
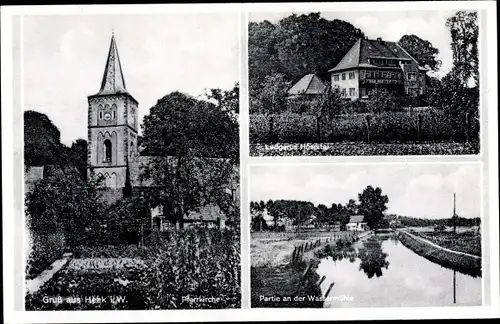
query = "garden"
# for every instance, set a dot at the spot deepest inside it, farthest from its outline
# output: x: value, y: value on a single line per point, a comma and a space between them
x: 188, y: 269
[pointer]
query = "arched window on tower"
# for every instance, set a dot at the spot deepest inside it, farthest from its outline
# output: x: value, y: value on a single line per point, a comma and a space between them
x: 107, y: 150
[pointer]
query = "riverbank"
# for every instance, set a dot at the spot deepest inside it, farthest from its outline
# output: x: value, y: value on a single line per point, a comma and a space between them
x: 283, y: 273
x: 459, y: 261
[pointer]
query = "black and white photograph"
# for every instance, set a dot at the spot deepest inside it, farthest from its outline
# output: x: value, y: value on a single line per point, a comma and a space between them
x: 131, y: 158
x: 250, y: 162
x: 394, y: 235
x: 364, y: 83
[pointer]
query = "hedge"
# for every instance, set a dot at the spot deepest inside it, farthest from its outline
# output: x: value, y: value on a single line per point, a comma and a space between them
x: 385, y: 127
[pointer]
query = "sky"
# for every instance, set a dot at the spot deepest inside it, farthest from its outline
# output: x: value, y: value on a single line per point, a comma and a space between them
x: 64, y: 58
x: 417, y: 190
x: 391, y: 26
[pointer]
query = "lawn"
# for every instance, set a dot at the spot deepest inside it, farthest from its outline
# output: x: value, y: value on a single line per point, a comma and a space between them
x: 465, y: 241
x: 194, y: 268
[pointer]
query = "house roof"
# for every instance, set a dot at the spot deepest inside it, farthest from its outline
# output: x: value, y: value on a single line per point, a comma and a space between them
x: 356, y: 219
x: 358, y: 54
x: 113, y: 81
x: 309, y: 84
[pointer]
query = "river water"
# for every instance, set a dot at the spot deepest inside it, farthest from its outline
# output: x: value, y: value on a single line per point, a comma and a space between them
x: 379, y: 271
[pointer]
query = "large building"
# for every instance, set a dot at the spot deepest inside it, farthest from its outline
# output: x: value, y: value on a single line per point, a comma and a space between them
x: 113, y: 152
x: 371, y: 64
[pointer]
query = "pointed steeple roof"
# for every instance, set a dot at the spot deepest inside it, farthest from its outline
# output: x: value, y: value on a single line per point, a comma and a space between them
x: 113, y: 81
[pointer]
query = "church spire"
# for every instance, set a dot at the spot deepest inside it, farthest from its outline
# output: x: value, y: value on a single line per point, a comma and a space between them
x: 112, y: 80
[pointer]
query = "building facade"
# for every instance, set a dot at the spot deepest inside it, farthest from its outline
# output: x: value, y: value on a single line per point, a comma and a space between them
x: 357, y: 223
x: 372, y: 64
x: 113, y: 153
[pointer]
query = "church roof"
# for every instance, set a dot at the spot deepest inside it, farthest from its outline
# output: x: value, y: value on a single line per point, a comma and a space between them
x: 363, y: 49
x: 309, y: 84
x: 113, y: 81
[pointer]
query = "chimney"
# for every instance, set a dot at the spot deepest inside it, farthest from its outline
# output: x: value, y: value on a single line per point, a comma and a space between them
x: 379, y: 39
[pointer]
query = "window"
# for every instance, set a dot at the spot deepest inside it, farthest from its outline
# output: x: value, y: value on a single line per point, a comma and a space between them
x: 100, y: 115
x: 113, y: 114
x: 344, y: 92
x: 352, y: 92
x: 343, y: 76
x: 384, y: 74
x: 393, y: 75
x: 351, y: 75
x: 233, y: 194
x: 107, y: 151
x: 335, y: 77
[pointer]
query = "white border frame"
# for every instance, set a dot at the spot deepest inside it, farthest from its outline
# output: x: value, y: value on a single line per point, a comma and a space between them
x: 490, y: 161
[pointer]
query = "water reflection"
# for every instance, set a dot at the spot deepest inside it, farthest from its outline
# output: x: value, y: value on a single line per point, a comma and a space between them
x: 380, y: 271
x: 373, y: 259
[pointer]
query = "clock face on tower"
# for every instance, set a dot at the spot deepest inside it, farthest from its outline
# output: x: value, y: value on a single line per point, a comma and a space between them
x: 107, y: 116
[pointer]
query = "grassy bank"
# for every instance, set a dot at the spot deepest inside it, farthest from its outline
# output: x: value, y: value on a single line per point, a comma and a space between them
x: 467, y: 242
x: 276, y: 281
x: 284, y: 286
x: 459, y: 262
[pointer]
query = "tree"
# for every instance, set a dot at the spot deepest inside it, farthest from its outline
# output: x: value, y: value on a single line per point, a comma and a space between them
x: 273, y: 96
x: 42, y: 145
x: 78, y: 153
x: 352, y: 207
x: 422, y: 51
x: 64, y: 201
x: 382, y: 100
x: 456, y: 98
x: 464, y: 31
x: 328, y: 104
x: 372, y: 205
x: 195, y: 145
x: 295, y: 46
x: 227, y: 100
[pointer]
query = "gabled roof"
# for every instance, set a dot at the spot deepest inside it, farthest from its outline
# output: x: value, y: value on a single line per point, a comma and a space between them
x: 363, y: 49
x: 113, y: 81
x: 356, y: 219
x: 309, y: 84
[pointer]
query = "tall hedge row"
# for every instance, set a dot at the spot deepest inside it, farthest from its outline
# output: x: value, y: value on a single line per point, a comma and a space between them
x: 385, y: 127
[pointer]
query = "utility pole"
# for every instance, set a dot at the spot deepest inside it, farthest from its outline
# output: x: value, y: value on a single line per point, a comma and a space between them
x: 454, y: 214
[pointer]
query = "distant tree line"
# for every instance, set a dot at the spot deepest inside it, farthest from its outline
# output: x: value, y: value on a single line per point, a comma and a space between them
x: 426, y: 222
x: 372, y: 204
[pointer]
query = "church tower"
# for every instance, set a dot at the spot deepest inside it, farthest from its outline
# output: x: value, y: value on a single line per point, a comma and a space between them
x: 112, y: 125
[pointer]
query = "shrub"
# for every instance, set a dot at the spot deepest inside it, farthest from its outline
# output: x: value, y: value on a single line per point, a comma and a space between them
x: 385, y: 127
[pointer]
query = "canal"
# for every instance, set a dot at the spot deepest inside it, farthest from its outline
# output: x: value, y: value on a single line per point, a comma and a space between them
x: 379, y: 271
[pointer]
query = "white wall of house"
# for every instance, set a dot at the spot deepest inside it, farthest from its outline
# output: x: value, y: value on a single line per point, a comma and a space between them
x: 356, y: 226
x: 348, y: 87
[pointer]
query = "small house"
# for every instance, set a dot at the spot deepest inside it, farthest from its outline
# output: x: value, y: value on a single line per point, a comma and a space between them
x: 309, y: 86
x: 357, y: 223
